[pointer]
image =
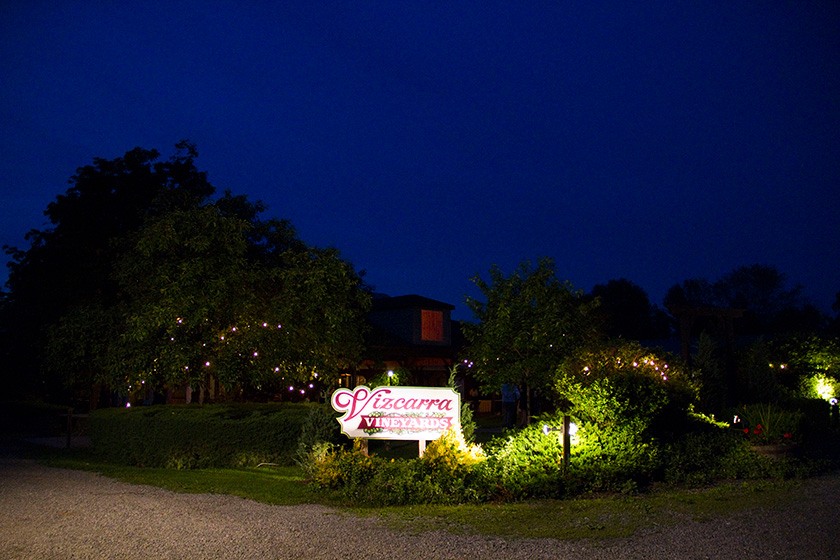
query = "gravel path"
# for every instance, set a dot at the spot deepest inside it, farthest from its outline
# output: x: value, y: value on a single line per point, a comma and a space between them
x: 48, y: 513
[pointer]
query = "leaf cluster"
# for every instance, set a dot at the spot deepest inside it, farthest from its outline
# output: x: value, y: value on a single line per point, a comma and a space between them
x: 527, y: 324
x: 143, y: 278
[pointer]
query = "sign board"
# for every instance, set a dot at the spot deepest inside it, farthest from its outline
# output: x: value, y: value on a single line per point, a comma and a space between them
x: 403, y: 413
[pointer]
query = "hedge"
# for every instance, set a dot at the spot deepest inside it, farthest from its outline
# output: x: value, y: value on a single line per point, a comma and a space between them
x: 199, y: 436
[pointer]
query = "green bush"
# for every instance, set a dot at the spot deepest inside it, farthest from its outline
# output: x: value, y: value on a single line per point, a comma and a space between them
x: 525, y: 463
x: 320, y: 426
x: 195, y: 436
x: 629, y: 402
x: 710, y: 454
x: 444, y: 475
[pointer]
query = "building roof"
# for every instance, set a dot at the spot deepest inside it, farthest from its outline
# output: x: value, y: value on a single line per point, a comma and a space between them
x: 412, y: 301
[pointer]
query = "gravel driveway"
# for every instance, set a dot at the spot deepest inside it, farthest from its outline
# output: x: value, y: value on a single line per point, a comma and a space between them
x: 48, y: 513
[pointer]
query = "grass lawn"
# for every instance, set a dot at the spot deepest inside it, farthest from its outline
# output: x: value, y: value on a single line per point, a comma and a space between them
x: 590, y: 517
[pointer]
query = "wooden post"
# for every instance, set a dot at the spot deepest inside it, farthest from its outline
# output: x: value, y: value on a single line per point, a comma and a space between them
x: 421, y: 444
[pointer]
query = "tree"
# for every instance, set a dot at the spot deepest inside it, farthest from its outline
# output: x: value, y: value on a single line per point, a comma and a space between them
x: 211, y: 309
x: 69, y: 264
x: 527, y: 324
x: 628, y: 313
x: 176, y: 289
x: 769, y: 305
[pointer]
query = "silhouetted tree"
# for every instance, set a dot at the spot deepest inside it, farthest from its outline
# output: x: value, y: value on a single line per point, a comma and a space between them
x: 70, y: 263
x: 528, y: 323
x: 159, y: 285
x: 628, y: 313
x: 761, y: 291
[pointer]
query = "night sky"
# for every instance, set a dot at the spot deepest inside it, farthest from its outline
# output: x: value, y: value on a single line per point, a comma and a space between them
x: 653, y: 141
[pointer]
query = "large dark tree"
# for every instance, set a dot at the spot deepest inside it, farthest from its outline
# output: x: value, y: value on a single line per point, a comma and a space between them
x: 204, y: 306
x: 628, y: 313
x: 69, y: 264
x: 143, y: 278
x: 769, y: 305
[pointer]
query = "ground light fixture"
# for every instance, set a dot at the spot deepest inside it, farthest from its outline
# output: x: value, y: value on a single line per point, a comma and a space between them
x: 565, y: 435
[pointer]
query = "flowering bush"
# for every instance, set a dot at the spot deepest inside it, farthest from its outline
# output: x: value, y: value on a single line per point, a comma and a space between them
x: 768, y: 424
x: 450, y: 452
x: 444, y: 474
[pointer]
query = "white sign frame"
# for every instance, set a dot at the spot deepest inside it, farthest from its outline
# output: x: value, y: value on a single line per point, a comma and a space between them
x: 397, y: 412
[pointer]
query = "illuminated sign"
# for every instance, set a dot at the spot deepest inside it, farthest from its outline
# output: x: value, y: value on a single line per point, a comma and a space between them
x: 410, y: 413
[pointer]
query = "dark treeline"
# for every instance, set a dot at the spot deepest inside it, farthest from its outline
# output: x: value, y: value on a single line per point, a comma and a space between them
x: 147, y: 277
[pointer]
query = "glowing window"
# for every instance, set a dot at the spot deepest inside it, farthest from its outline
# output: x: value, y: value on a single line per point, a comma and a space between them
x: 431, y: 325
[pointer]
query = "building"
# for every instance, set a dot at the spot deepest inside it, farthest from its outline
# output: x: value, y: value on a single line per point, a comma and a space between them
x: 413, y: 337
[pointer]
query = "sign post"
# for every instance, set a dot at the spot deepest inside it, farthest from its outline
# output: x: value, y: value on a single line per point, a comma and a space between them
x: 398, y: 413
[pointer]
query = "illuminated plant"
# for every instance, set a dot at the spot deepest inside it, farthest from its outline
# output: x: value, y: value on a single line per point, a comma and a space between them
x: 627, y: 400
x: 451, y: 452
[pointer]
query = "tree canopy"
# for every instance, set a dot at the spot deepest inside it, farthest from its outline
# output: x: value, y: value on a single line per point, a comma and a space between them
x: 628, y: 313
x: 528, y: 323
x: 143, y: 279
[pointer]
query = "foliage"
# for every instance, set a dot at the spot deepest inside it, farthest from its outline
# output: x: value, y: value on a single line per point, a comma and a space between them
x: 468, y: 424
x: 528, y: 323
x: 629, y: 402
x: 812, y: 355
x: 708, y: 453
x: 628, y: 313
x: 783, y: 369
x: 69, y: 264
x: 442, y: 475
x: 209, y: 310
x: 769, y: 305
x: 395, y: 376
x: 710, y: 375
x: 765, y: 423
x: 624, y: 391
x: 820, y: 386
x: 188, y: 437
x: 525, y: 463
x: 320, y: 426
x: 451, y: 452
x: 144, y: 280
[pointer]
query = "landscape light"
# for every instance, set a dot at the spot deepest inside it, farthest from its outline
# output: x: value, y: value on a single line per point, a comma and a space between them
x: 548, y: 429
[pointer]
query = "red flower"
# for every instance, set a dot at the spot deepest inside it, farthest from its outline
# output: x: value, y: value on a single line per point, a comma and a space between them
x: 787, y: 435
x: 746, y: 430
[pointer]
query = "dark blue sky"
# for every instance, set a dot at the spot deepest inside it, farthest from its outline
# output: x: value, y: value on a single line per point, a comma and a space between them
x: 655, y: 141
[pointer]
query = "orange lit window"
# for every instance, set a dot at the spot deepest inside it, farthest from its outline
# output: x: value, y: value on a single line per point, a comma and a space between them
x: 431, y: 325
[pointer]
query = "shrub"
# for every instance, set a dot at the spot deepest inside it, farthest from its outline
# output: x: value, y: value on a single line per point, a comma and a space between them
x: 768, y: 423
x: 196, y: 436
x: 320, y: 426
x: 524, y: 464
x: 628, y: 402
x: 444, y: 475
x: 709, y: 454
